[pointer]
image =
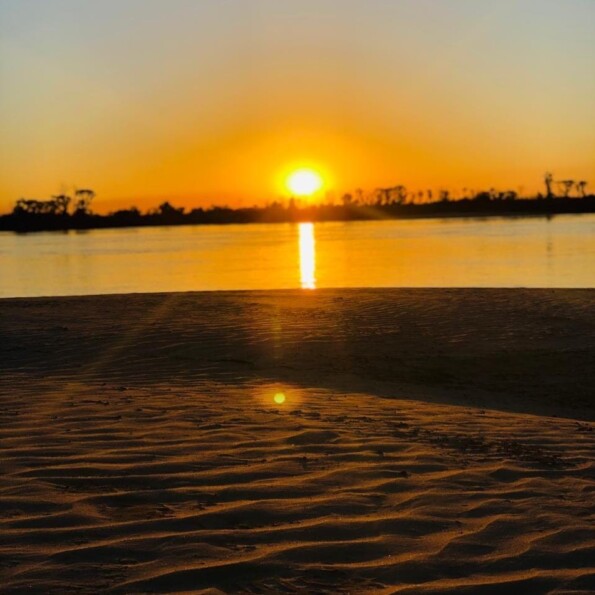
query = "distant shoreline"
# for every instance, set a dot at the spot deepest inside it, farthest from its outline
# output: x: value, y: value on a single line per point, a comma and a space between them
x: 277, y: 213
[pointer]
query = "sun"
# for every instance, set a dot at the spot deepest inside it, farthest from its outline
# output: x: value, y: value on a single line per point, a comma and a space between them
x: 304, y: 182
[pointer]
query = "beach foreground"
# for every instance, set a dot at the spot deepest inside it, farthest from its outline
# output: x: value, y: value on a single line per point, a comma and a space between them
x: 376, y: 441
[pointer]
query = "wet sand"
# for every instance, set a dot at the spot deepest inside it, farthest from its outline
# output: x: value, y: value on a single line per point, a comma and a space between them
x: 424, y: 441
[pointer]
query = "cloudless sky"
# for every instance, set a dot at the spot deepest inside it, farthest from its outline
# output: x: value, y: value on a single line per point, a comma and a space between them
x: 213, y: 101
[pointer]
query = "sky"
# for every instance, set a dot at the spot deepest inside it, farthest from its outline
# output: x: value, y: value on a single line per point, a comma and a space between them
x: 215, y: 101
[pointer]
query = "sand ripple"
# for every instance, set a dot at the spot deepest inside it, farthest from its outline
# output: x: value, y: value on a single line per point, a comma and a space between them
x: 154, y: 490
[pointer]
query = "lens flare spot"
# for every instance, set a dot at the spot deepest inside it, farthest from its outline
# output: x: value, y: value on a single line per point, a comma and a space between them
x: 279, y: 398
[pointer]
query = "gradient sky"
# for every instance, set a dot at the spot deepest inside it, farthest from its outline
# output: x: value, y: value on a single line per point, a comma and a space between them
x: 213, y: 101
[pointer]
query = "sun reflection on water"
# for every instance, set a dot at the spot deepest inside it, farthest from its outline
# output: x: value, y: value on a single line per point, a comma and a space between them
x: 307, y: 244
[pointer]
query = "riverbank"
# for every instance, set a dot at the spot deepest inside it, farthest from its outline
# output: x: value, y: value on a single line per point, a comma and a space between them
x: 407, y: 440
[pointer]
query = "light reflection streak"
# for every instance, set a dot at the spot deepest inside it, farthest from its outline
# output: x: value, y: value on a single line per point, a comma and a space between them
x: 307, y: 245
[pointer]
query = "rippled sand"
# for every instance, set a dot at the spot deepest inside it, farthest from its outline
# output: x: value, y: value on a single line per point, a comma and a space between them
x: 422, y: 441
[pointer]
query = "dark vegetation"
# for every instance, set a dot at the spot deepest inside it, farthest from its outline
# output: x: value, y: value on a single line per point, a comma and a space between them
x: 63, y: 212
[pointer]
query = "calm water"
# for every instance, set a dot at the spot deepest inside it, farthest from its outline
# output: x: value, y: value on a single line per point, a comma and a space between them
x: 559, y: 252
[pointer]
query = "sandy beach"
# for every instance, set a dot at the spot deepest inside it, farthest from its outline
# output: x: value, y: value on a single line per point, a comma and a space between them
x: 332, y: 441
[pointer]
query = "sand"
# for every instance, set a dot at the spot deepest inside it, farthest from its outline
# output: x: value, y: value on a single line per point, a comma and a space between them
x: 352, y: 441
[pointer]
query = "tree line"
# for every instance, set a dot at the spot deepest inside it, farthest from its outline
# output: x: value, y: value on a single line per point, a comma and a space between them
x: 63, y: 211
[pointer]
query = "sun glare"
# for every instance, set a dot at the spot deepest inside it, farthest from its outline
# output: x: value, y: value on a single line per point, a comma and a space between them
x: 304, y: 182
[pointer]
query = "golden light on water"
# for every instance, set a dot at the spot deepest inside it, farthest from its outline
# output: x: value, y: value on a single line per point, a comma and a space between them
x: 307, y: 245
x: 279, y: 398
x: 304, y: 182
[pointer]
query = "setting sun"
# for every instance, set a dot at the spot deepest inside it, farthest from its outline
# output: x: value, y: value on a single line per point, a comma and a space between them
x: 304, y: 182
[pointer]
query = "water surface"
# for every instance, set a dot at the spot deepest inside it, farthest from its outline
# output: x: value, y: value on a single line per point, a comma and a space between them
x: 506, y: 252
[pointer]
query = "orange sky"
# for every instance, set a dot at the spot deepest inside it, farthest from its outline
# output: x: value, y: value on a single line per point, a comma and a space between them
x: 211, y: 102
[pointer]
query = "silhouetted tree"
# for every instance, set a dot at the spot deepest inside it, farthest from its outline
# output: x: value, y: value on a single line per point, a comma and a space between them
x: 31, y: 206
x: 166, y: 208
x: 483, y: 197
x: 548, y: 179
x: 581, y: 188
x: 383, y: 196
x: 62, y: 201
x: 83, y: 198
x: 400, y: 194
x: 566, y: 186
x: 27, y: 206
